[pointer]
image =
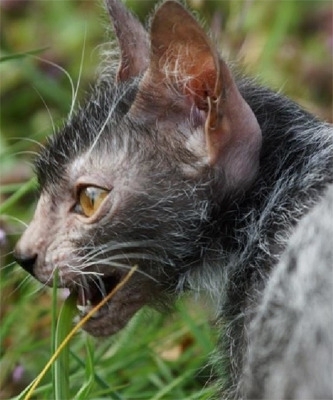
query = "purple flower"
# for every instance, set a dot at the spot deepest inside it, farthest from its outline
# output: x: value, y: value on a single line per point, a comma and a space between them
x: 3, y: 237
x: 18, y: 373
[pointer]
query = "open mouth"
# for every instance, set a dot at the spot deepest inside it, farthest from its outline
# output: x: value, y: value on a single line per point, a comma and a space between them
x: 91, y: 291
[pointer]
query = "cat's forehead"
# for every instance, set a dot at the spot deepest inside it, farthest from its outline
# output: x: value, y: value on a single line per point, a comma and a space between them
x: 92, y: 128
x: 79, y: 152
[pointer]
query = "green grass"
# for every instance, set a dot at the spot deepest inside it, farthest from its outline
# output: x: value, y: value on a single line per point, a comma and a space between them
x: 156, y: 356
x: 148, y: 360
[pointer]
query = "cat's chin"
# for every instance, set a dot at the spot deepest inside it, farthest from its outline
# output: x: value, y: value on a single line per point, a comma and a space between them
x: 116, y: 313
x: 112, y: 318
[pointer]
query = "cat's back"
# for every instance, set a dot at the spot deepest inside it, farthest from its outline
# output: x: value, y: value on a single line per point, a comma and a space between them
x: 291, y: 350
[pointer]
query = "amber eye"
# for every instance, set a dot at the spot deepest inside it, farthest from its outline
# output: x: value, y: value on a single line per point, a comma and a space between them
x: 89, y: 200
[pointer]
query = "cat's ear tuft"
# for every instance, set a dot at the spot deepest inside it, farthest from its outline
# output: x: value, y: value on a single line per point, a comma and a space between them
x: 186, y: 78
x: 181, y: 50
x: 132, y: 38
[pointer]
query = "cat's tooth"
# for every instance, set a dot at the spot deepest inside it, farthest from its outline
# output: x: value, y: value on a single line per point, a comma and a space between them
x: 85, y: 309
x: 82, y: 309
x: 81, y: 297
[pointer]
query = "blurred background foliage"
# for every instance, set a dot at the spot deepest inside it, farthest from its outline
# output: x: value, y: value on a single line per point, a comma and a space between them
x: 288, y: 45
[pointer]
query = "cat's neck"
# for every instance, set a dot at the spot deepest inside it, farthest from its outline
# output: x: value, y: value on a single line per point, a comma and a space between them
x: 296, y: 167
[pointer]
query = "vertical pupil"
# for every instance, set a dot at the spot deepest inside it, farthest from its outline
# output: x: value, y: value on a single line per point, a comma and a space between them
x: 92, y: 193
x: 90, y: 198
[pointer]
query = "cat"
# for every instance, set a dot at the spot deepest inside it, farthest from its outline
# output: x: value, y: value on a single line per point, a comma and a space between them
x: 199, y: 176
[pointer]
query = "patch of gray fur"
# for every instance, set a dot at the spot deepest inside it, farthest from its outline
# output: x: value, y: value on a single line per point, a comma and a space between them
x: 291, y: 338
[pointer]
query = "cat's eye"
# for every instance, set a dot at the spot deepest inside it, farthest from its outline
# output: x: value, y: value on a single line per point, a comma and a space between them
x: 90, y: 199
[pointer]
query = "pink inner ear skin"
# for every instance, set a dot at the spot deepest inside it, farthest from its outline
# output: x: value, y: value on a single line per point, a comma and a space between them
x: 201, y: 86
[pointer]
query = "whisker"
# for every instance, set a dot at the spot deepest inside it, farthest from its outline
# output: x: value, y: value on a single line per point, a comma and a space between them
x: 48, y: 112
x: 25, y: 281
x: 60, y: 69
x: 80, y: 75
x: 106, y: 262
x: 25, y: 152
x: 38, y: 289
x: 9, y: 265
x: 28, y: 139
x: 16, y: 219
x: 36, y: 286
x: 100, y: 286
x: 51, y: 277
x: 84, y: 284
x: 113, y: 246
x: 82, y: 273
x: 107, y: 120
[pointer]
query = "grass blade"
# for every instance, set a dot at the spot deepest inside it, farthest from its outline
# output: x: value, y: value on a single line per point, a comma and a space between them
x: 54, y: 322
x: 25, y: 188
x: 90, y: 372
x: 61, y: 364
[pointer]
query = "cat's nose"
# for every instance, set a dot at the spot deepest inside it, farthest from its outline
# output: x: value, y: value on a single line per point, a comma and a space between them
x: 26, y: 261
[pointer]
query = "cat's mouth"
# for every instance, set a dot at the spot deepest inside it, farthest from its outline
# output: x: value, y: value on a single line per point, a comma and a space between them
x: 117, y: 311
x: 91, y: 292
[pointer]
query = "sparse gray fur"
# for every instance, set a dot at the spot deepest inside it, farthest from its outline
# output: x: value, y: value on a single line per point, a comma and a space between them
x: 291, y: 335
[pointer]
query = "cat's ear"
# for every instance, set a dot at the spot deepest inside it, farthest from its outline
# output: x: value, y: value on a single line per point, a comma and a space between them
x: 186, y: 79
x: 132, y: 39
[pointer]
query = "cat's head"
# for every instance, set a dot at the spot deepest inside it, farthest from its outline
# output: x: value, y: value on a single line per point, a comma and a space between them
x: 134, y: 178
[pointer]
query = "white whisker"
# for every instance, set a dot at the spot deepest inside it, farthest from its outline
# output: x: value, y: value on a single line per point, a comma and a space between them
x: 80, y: 75
x: 9, y: 265
x: 100, y: 286
x: 28, y: 278
x: 16, y: 219
x: 28, y: 139
x: 48, y: 112
x: 62, y: 70
x: 25, y: 152
x: 107, y: 120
